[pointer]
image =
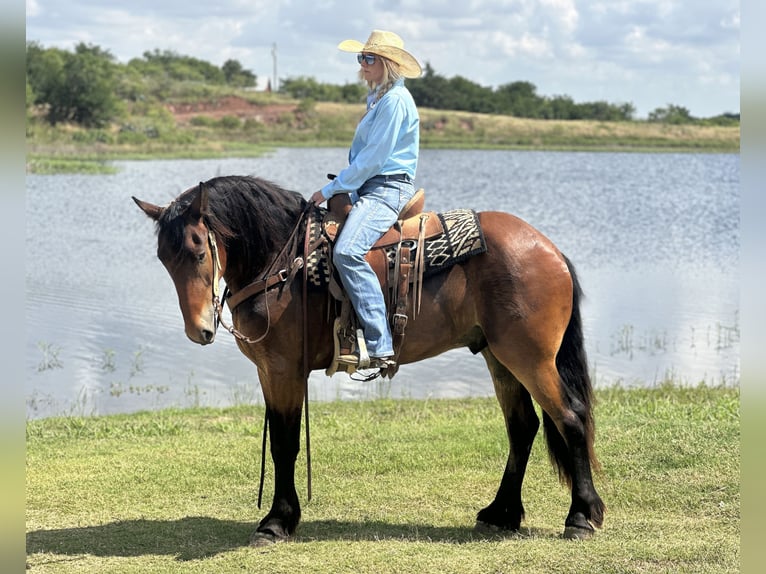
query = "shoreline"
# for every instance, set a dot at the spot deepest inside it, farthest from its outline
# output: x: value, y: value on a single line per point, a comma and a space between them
x: 251, y: 129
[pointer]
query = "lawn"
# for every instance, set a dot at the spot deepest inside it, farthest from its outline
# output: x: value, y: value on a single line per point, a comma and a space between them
x: 396, y: 488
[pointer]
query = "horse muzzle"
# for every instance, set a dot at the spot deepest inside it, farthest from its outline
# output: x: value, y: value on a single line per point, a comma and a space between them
x: 201, y: 335
x: 202, y: 331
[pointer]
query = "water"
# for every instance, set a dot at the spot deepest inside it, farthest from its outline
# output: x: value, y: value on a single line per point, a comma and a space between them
x: 654, y: 237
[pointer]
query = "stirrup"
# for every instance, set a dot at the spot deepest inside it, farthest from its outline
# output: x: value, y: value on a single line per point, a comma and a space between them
x: 382, y: 363
x: 359, y: 359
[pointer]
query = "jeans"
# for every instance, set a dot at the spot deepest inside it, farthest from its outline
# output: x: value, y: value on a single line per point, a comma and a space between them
x: 376, y: 207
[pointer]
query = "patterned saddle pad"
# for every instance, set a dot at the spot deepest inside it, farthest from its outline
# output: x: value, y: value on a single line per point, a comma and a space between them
x: 462, y: 238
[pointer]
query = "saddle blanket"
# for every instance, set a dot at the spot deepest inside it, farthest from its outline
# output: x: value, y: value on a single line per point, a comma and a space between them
x: 462, y: 238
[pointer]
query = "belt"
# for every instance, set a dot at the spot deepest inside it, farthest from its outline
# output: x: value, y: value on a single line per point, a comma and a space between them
x: 396, y: 177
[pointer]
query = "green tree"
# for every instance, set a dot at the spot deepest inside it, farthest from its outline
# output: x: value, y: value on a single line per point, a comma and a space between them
x: 352, y: 93
x: 88, y: 97
x: 519, y: 99
x: 671, y: 115
x: 560, y: 108
x: 430, y: 90
x: 463, y: 94
x: 78, y: 87
x: 303, y: 88
x: 236, y: 75
x: 45, y: 71
x: 178, y: 67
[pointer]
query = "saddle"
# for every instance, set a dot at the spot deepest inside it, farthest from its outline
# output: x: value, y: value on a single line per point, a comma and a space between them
x: 398, y: 259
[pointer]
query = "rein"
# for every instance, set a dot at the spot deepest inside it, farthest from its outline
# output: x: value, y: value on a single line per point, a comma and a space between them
x: 270, y: 279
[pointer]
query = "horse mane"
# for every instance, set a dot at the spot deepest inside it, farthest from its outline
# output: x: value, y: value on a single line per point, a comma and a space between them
x: 253, y: 216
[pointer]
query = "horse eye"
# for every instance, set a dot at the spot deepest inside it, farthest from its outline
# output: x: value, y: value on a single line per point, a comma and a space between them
x: 201, y: 257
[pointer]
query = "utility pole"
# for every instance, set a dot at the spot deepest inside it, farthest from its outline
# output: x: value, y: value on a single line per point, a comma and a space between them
x: 274, y: 58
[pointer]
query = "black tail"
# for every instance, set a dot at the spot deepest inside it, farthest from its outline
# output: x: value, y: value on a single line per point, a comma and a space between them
x: 572, y: 364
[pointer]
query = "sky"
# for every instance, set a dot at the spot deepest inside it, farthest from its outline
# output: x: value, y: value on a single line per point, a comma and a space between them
x: 650, y: 53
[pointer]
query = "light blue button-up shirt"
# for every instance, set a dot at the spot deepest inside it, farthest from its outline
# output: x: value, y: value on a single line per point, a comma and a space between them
x: 386, y: 142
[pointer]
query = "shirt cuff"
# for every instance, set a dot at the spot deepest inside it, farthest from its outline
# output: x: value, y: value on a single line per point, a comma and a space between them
x: 327, y: 190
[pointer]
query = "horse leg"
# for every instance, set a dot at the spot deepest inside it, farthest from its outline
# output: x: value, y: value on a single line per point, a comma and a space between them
x: 284, y: 419
x: 507, y: 511
x: 569, y: 434
x: 539, y: 339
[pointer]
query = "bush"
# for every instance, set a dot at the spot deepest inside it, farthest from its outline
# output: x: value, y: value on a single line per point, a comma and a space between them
x: 252, y: 125
x: 131, y: 138
x: 79, y: 87
x: 92, y: 136
x: 229, y: 122
x: 202, y: 121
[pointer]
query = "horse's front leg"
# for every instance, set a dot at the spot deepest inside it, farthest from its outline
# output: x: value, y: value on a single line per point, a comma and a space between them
x: 282, y: 520
x: 284, y: 411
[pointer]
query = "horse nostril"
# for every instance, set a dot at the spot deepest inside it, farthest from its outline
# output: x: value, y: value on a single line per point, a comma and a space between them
x: 208, y: 335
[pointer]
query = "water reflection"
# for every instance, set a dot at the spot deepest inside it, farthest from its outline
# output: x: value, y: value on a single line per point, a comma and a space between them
x: 654, y: 238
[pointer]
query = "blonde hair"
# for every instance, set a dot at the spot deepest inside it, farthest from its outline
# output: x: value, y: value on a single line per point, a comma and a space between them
x: 391, y: 74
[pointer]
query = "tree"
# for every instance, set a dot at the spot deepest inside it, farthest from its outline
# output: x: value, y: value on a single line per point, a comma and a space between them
x: 45, y: 71
x: 519, y: 99
x: 236, y: 75
x: 430, y: 90
x: 308, y: 88
x: 352, y: 93
x: 77, y: 87
x: 560, y: 108
x: 177, y: 67
x: 671, y: 115
x: 88, y: 98
x: 466, y: 95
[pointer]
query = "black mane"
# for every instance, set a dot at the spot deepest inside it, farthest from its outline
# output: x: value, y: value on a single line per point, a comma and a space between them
x: 253, y: 216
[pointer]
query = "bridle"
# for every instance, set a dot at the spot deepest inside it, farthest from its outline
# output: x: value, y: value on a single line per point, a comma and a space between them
x: 216, y: 277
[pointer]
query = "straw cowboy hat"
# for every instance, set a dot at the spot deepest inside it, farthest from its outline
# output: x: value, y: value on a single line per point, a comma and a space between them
x: 388, y: 45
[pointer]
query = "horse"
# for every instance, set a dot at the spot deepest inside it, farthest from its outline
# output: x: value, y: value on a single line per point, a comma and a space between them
x: 517, y: 304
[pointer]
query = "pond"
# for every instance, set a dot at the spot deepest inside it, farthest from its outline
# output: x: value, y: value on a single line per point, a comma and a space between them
x: 654, y: 238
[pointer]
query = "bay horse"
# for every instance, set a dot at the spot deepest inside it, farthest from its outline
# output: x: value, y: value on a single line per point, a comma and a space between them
x: 518, y: 304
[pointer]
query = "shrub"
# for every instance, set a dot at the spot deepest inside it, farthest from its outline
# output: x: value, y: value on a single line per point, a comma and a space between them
x: 230, y: 122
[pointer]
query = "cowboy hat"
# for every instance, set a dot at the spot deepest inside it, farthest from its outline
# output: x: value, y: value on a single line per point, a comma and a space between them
x: 388, y: 45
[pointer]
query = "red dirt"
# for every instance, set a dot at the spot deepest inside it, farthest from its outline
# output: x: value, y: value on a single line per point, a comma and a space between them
x: 230, y: 106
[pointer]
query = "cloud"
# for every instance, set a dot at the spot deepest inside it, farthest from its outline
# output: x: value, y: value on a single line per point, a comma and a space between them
x: 648, y: 52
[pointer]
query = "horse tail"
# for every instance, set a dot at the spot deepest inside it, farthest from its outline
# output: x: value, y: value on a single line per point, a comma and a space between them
x: 572, y: 365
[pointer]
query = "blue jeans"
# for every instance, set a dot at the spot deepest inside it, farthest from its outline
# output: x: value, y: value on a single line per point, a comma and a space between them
x: 376, y: 207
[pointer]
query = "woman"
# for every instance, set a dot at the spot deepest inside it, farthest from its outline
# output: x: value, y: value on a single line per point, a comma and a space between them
x: 382, y: 162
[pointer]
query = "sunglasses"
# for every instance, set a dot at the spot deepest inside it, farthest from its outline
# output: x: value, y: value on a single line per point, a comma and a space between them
x: 369, y: 59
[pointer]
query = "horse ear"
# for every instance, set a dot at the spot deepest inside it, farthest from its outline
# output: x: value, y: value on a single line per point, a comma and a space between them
x: 153, y: 211
x: 198, y: 207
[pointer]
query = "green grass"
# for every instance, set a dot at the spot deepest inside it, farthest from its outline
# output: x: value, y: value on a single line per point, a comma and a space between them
x: 397, y: 485
x: 54, y: 165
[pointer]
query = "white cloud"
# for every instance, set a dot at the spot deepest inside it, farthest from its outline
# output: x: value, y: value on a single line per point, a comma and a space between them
x: 615, y: 50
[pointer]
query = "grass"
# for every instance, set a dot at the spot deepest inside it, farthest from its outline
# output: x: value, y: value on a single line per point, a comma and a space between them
x: 396, y: 488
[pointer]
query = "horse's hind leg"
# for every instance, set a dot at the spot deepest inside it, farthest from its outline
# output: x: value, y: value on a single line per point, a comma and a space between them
x: 569, y: 434
x: 507, y: 511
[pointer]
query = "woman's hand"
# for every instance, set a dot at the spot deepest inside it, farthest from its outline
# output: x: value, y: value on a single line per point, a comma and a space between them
x: 317, y: 198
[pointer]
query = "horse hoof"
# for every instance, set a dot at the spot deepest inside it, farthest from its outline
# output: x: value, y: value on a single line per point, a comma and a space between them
x: 486, y: 528
x: 577, y: 533
x: 261, y: 539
